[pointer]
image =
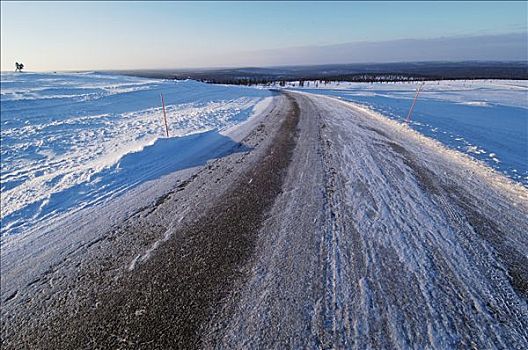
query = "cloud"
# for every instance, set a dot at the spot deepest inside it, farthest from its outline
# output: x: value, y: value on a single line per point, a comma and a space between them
x: 500, y: 47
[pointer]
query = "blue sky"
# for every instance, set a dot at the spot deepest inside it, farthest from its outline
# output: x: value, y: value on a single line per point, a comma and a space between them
x: 99, y: 35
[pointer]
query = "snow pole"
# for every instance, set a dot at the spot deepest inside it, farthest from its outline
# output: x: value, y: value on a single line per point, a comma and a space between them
x: 164, y: 115
x: 408, y: 119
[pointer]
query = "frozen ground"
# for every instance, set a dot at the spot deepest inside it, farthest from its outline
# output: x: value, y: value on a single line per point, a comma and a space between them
x: 87, y: 255
x: 70, y: 141
x: 382, y: 239
x: 335, y: 228
x: 487, y: 119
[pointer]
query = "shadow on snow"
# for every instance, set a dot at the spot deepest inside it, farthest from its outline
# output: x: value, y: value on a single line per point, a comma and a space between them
x: 165, y: 156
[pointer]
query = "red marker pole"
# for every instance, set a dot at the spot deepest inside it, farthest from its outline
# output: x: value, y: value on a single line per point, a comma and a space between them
x: 164, y: 115
x: 408, y: 119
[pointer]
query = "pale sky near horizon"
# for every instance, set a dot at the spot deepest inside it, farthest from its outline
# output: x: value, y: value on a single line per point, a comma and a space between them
x: 135, y: 35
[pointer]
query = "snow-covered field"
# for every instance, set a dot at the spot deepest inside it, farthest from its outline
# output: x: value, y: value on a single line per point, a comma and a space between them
x: 487, y: 119
x: 376, y: 237
x: 70, y: 141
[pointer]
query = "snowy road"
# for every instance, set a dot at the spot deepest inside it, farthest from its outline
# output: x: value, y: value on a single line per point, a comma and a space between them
x: 383, y: 239
x: 361, y: 234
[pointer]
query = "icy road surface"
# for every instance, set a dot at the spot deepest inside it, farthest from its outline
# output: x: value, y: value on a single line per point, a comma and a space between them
x: 383, y: 239
x: 336, y: 228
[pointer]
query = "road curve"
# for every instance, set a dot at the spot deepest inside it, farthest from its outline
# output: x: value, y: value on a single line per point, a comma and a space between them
x: 382, y: 239
x: 340, y: 229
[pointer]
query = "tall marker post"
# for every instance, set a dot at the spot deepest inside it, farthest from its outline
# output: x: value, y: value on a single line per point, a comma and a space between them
x: 408, y: 119
x: 164, y: 115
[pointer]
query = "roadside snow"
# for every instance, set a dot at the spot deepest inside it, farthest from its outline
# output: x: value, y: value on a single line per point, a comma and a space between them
x: 512, y: 93
x: 70, y: 141
x: 491, y: 115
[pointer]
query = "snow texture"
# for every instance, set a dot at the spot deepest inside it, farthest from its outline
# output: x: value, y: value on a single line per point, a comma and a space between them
x: 487, y: 119
x: 70, y: 141
x: 382, y: 239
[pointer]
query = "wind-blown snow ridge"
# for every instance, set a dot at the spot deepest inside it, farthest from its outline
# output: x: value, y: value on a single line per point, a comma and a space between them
x: 61, y: 132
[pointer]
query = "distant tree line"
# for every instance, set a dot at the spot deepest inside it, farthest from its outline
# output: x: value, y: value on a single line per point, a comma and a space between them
x: 365, y: 78
x: 369, y: 73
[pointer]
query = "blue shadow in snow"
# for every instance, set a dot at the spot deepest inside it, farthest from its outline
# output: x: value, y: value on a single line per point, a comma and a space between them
x: 165, y: 156
x: 168, y: 155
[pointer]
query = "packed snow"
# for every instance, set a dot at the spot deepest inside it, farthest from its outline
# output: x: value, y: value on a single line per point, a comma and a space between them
x: 486, y: 119
x: 382, y: 238
x: 70, y: 141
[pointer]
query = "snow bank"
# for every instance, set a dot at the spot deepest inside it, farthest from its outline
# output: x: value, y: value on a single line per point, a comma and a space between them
x: 67, y: 137
x: 490, y: 116
x: 516, y: 192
